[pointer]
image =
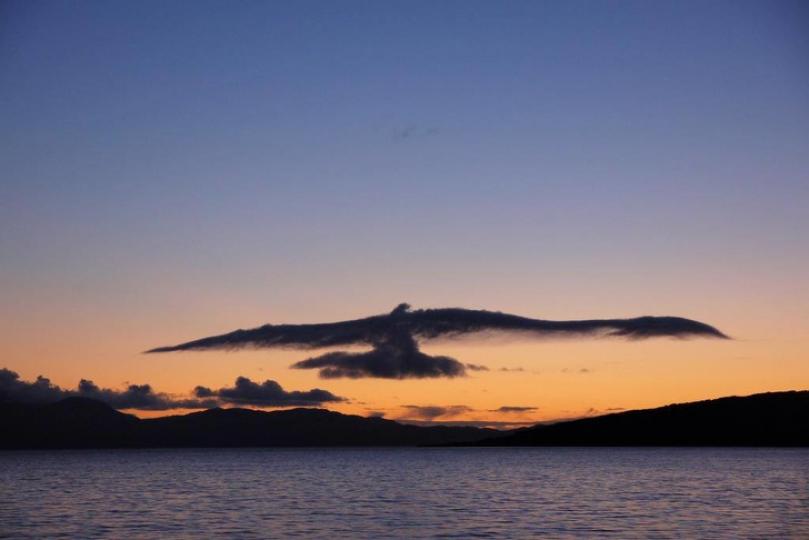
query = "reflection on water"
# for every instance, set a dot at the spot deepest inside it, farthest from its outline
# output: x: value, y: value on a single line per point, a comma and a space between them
x: 406, y: 493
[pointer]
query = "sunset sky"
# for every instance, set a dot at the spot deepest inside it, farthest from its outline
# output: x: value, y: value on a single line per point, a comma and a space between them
x: 169, y: 172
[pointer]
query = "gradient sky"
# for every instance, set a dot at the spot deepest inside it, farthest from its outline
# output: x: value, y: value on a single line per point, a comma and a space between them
x: 173, y: 170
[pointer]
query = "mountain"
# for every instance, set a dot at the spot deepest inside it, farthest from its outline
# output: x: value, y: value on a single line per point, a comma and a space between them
x: 73, y: 422
x: 87, y: 423
x: 770, y: 419
x: 296, y: 427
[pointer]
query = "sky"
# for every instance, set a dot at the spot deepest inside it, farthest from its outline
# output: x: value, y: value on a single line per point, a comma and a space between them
x: 175, y: 170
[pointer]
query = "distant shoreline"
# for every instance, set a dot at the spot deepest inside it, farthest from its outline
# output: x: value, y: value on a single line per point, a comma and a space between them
x: 775, y: 420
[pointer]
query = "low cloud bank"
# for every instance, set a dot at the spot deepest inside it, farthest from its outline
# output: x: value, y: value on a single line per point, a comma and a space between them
x: 144, y: 397
x: 267, y: 394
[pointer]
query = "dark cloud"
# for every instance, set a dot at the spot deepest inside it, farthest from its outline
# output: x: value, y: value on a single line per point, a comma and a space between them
x: 267, y: 394
x: 40, y: 391
x: 437, y: 323
x: 135, y: 396
x: 143, y: 397
x: 397, y: 357
x: 512, y: 370
x: 513, y: 409
x: 395, y: 353
x: 430, y: 412
x: 140, y: 396
x: 204, y: 392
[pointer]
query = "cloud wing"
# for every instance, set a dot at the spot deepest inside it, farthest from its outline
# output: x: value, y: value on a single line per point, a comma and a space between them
x: 299, y: 336
x: 435, y: 323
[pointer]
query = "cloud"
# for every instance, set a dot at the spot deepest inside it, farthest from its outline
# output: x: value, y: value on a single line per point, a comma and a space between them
x: 144, y: 397
x: 267, y: 394
x: 39, y: 391
x: 410, y: 132
x: 397, y: 357
x: 512, y: 370
x: 513, y: 409
x: 493, y: 424
x: 135, y: 396
x: 437, y: 414
x: 140, y: 396
x: 393, y: 338
x: 476, y: 367
x: 430, y: 412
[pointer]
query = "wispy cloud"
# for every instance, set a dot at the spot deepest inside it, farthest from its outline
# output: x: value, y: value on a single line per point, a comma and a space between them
x: 412, y: 131
x: 579, y: 371
x: 514, y: 409
x: 476, y: 367
x: 430, y: 412
x: 492, y: 424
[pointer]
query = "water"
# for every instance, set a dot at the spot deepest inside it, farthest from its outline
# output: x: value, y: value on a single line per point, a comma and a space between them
x: 406, y: 493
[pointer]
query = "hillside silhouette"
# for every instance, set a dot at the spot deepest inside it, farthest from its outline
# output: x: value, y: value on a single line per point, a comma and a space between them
x: 86, y: 423
x: 769, y: 419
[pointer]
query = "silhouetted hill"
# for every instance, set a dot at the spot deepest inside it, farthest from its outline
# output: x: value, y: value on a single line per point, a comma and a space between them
x: 295, y: 427
x: 771, y: 419
x: 87, y: 423
x: 75, y: 422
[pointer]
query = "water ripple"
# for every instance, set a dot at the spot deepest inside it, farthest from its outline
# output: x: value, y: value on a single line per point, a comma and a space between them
x: 406, y: 493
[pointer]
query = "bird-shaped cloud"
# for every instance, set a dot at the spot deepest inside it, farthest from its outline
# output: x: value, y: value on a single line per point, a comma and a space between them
x: 393, y: 337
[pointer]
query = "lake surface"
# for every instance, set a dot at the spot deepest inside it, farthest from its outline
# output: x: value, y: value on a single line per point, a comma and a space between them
x: 406, y: 493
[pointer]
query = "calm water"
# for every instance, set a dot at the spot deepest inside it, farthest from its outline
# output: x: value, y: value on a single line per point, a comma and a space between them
x: 406, y: 493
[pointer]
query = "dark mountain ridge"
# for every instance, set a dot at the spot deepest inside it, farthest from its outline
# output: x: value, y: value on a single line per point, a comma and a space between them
x: 87, y: 423
x: 768, y: 419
